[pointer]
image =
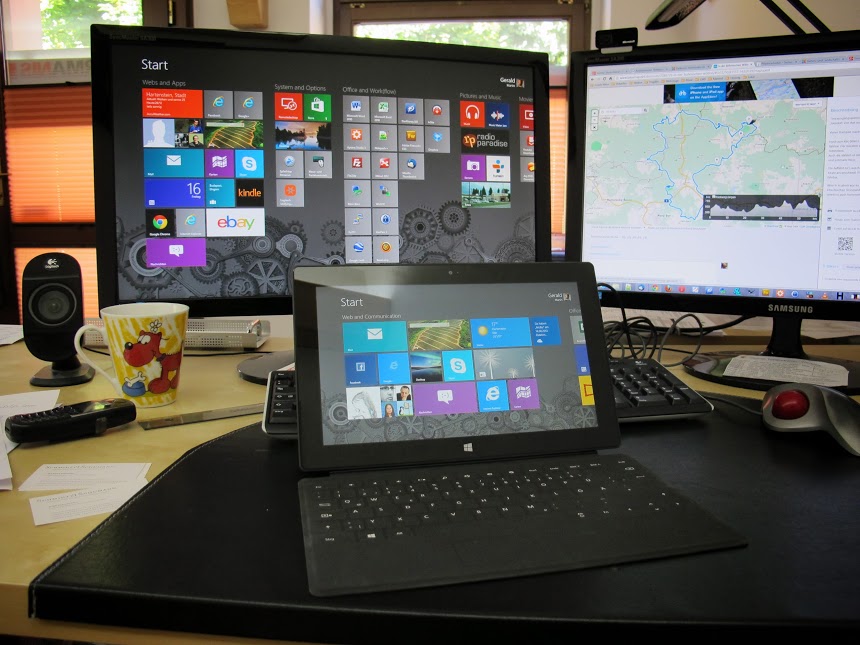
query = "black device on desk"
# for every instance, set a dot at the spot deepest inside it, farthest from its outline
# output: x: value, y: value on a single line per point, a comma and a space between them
x: 457, y: 411
x: 73, y: 421
x: 646, y: 390
x: 280, y: 410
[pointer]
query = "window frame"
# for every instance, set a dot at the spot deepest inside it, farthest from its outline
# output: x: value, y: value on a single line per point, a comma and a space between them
x: 347, y: 13
x: 160, y: 13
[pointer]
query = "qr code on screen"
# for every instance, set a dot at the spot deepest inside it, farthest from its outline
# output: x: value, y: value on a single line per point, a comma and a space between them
x: 846, y: 244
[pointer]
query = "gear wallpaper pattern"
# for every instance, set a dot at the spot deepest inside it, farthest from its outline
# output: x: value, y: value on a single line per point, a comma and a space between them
x: 246, y: 267
x: 562, y: 411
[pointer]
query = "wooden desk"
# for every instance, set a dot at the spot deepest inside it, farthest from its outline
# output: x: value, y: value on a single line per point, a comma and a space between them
x: 209, y: 382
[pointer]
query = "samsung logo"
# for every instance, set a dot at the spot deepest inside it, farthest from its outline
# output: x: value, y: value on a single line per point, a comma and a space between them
x: 790, y: 309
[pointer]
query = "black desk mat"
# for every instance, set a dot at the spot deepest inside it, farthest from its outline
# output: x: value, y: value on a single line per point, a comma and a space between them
x: 214, y: 545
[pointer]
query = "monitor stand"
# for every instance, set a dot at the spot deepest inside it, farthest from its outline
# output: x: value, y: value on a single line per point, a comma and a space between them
x: 256, y: 369
x: 784, y: 342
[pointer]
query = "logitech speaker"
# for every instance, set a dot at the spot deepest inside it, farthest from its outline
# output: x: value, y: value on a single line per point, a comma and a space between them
x: 53, y: 311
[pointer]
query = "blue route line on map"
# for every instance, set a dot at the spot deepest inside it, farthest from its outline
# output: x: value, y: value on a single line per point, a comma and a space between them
x: 717, y: 126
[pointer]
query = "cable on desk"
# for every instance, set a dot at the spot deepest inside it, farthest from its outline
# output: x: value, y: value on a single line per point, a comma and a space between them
x: 712, y: 328
x: 625, y: 327
x: 732, y: 402
x: 674, y: 328
x: 646, y: 334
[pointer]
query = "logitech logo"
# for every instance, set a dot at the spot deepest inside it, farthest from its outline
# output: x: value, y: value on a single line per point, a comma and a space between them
x: 52, y: 264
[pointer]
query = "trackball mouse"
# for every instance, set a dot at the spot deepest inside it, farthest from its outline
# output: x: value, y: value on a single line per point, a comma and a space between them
x: 801, y: 407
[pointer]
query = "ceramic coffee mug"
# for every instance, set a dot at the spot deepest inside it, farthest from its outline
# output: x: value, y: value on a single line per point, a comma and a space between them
x: 145, y: 340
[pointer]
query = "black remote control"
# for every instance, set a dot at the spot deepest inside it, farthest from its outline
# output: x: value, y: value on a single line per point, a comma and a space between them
x: 280, y: 410
x: 65, y: 422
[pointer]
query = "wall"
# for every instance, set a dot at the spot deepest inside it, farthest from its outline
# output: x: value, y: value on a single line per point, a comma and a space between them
x: 721, y: 19
x: 713, y: 20
x: 290, y: 16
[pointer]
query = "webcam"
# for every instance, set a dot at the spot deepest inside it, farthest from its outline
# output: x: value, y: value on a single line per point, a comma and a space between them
x: 612, y: 41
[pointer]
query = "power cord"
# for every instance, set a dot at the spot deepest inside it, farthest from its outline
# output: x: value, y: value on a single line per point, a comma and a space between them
x: 729, y: 401
x: 649, y: 339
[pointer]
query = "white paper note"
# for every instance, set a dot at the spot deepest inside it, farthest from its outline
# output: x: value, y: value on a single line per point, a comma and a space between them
x: 82, y: 503
x: 5, y: 472
x: 79, y: 476
x: 25, y: 403
x: 11, y: 334
x: 787, y: 370
x: 10, y: 405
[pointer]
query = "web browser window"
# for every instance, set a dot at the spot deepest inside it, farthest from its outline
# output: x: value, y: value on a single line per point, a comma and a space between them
x: 717, y: 176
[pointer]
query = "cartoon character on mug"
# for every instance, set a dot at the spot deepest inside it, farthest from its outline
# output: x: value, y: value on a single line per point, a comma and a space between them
x: 145, y: 350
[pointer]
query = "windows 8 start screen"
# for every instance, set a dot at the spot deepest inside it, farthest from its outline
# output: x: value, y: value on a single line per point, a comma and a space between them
x: 249, y: 163
x: 397, y: 364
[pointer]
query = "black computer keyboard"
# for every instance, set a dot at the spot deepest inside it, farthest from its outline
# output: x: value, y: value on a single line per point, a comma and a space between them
x: 279, y: 410
x: 645, y: 390
x: 396, y: 529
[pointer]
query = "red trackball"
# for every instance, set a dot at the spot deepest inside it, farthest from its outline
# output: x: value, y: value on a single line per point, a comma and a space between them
x: 790, y: 404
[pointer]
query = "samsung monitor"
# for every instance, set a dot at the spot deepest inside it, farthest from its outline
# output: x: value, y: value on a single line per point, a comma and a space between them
x: 224, y: 159
x: 723, y: 177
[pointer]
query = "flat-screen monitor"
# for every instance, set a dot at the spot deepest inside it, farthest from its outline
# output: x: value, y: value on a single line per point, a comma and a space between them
x: 722, y: 177
x: 224, y: 159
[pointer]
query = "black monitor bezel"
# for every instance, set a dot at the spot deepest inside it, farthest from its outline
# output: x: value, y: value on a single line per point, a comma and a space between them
x: 105, y: 37
x: 315, y: 455
x: 722, y: 304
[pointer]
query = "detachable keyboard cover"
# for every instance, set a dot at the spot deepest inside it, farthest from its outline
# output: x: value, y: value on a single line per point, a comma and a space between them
x: 601, y: 510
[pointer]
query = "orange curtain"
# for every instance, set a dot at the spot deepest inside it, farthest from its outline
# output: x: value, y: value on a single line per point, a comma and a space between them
x: 558, y: 162
x: 49, y: 147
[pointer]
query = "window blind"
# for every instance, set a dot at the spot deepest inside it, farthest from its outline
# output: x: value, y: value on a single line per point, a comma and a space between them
x: 558, y: 157
x: 49, y: 151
